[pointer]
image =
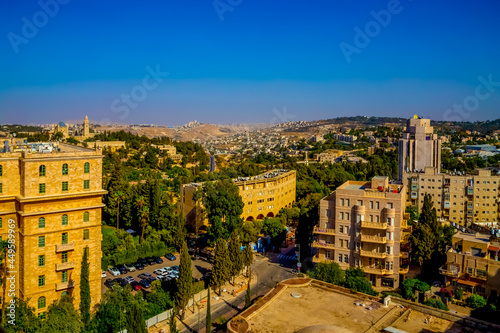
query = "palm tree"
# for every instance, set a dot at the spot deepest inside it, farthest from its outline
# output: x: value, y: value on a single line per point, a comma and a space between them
x: 143, y: 217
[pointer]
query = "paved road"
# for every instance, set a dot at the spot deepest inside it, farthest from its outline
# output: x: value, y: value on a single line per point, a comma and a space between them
x: 268, y: 270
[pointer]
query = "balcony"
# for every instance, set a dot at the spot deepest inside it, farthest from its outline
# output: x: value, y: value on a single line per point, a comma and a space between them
x: 65, y: 265
x: 373, y: 239
x: 405, y: 237
x: 323, y: 245
x: 446, y: 204
x: 454, y: 272
x: 374, y: 225
x: 414, y: 195
x: 470, y: 190
x: 375, y: 270
x: 470, y: 213
x: 317, y: 259
x: 65, y: 285
x: 373, y: 254
x: 324, y: 231
x: 390, y: 212
x: 404, y: 270
x: 404, y: 255
x: 65, y: 247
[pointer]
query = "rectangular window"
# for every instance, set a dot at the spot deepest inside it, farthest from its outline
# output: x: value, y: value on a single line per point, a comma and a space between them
x: 371, y: 204
x: 360, y: 203
x: 41, y: 241
x: 347, y: 216
x: 85, y: 234
x: 327, y: 254
x: 64, y: 186
x: 390, y: 205
x: 41, y: 261
x: 346, y: 258
x: 41, y: 280
x: 342, y: 202
x: 340, y: 258
x: 64, y: 276
x: 86, y: 184
x: 64, y: 257
x: 348, y: 203
x: 341, y: 229
x: 64, y: 238
x: 378, y: 205
x: 41, y: 188
x: 1, y: 187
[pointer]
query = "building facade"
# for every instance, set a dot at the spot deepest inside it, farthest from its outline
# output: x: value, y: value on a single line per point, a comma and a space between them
x: 458, y: 198
x: 263, y: 196
x: 419, y: 147
x: 362, y: 224
x: 472, y: 264
x: 53, y: 202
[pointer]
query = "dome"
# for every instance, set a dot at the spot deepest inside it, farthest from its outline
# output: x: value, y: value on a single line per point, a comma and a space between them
x: 61, y: 124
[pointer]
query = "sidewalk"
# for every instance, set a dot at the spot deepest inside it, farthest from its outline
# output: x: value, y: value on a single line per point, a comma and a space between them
x: 216, y: 303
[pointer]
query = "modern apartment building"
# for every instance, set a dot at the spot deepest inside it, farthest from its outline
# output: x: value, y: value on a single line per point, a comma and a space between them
x: 461, y: 199
x: 419, y: 147
x: 53, y: 199
x: 363, y: 224
x: 263, y: 196
x: 473, y: 264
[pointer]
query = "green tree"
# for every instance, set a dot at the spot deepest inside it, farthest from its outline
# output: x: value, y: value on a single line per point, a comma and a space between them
x: 248, y: 296
x: 172, y: 322
x: 249, y: 231
x: 423, y: 237
x: 436, y: 303
x: 208, y: 318
x: 235, y: 255
x: 220, y: 268
x: 180, y: 232
x: 355, y: 279
x: 85, y: 288
x: 476, y: 301
x: 328, y: 272
x: 62, y: 317
x: 247, y: 257
x: 26, y: 321
x: 135, y: 319
x: 185, y: 281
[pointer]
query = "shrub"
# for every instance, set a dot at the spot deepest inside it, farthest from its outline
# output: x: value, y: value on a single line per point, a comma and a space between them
x: 476, y: 301
x: 328, y: 272
x: 459, y: 293
x: 390, y: 293
x: 436, y: 303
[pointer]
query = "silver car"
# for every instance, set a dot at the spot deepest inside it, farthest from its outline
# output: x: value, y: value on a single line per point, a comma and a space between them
x: 114, y: 271
x: 130, y: 267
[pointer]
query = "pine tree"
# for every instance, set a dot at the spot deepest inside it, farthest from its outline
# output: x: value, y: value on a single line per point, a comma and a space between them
x: 424, y: 235
x: 247, y: 257
x: 220, y: 268
x: 172, y: 323
x: 208, y: 319
x: 85, y: 288
x: 235, y: 255
x: 135, y: 319
x: 185, y: 280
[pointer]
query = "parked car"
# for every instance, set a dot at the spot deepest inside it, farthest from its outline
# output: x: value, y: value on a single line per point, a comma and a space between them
x: 135, y: 285
x: 144, y: 275
x: 103, y: 274
x: 158, y: 260
x: 160, y: 271
x: 139, y: 266
x: 143, y: 261
x: 108, y: 283
x: 144, y: 283
x: 151, y: 261
x: 170, y: 257
x: 151, y: 279
x: 130, y: 267
x: 114, y: 271
x: 175, y: 268
x: 122, y: 269
x: 129, y: 279
x: 121, y: 281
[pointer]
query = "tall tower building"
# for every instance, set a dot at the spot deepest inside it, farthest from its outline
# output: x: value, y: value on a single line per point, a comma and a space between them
x: 86, y: 130
x: 419, y: 148
x: 51, y: 201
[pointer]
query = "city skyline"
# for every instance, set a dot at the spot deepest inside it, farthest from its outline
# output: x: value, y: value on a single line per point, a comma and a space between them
x: 237, y: 63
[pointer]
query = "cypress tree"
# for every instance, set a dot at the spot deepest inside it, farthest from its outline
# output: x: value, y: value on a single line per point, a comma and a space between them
x: 248, y: 296
x: 208, y: 319
x: 85, y: 288
x: 235, y: 255
x: 172, y: 323
x: 185, y: 280
x: 135, y: 319
x: 220, y: 268
x: 247, y: 257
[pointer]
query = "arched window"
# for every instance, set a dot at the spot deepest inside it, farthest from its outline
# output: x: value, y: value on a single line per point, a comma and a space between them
x: 65, y: 169
x: 86, y: 217
x: 64, y: 219
x: 41, y: 222
x: 86, y: 167
x: 1, y: 170
x: 41, y: 302
x: 64, y: 293
x: 42, y: 171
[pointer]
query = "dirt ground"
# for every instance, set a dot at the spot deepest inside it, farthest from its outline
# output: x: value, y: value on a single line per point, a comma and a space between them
x: 419, y: 322
x: 314, y: 307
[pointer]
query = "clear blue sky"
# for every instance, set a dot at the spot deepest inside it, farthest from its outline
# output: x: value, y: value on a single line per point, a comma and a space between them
x: 263, y: 55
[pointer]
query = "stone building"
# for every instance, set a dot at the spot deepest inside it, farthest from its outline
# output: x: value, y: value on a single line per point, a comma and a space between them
x: 363, y: 224
x: 263, y: 196
x: 52, y: 199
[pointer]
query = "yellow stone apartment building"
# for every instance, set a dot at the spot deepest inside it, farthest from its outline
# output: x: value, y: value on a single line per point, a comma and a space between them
x: 363, y: 224
x: 461, y: 199
x: 263, y: 196
x: 55, y: 199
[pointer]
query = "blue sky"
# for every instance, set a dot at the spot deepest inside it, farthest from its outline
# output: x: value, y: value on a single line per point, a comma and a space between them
x: 247, y: 60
